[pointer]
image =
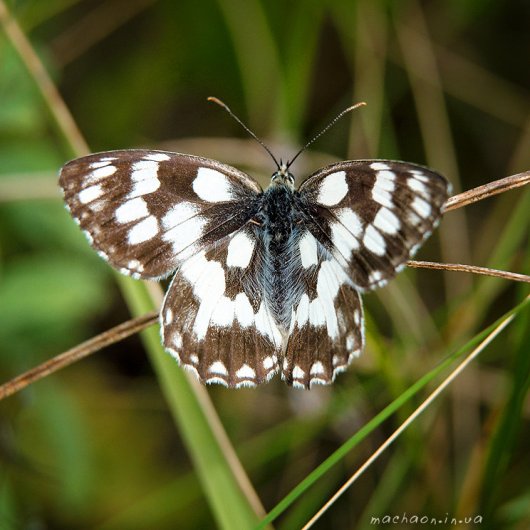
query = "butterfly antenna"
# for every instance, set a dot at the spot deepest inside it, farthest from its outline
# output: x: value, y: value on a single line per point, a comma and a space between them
x: 325, y: 129
x: 227, y: 108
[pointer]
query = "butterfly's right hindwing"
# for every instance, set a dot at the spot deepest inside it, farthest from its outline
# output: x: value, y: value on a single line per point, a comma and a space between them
x: 146, y: 212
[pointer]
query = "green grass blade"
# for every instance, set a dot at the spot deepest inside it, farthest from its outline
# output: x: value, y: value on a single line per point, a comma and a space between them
x: 257, y: 57
x: 230, y: 506
x: 510, y: 422
x: 375, y: 422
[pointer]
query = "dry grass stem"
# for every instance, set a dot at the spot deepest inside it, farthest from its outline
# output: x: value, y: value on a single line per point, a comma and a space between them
x: 95, y: 26
x: 115, y: 334
x: 487, y: 190
x: 71, y: 132
x: 430, y: 398
x: 51, y: 95
x: 433, y: 118
x: 457, y: 267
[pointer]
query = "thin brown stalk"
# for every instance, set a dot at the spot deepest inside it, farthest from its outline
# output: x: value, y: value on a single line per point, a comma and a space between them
x: 43, y: 81
x: 69, y: 129
x: 461, y: 77
x: 28, y: 187
x: 368, y: 57
x: 458, y: 267
x: 432, y: 114
x: 417, y: 412
x: 521, y: 154
x: 95, y: 26
x: 487, y: 190
x: 111, y: 336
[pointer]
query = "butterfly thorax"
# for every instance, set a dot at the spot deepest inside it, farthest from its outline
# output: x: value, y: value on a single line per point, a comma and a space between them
x: 276, y: 213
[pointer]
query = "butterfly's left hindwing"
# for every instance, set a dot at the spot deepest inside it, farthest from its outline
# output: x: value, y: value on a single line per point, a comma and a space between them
x: 147, y: 211
x: 215, y: 319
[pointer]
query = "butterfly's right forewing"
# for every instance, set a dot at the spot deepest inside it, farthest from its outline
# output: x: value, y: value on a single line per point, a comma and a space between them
x: 373, y: 215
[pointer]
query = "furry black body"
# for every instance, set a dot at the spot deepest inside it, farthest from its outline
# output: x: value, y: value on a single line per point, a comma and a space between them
x: 279, y: 218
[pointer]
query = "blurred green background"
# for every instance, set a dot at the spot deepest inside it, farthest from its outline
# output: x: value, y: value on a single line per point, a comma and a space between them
x: 447, y: 85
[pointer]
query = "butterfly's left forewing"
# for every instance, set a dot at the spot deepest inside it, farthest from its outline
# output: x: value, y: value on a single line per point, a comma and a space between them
x: 145, y: 211
x: 151, y: 212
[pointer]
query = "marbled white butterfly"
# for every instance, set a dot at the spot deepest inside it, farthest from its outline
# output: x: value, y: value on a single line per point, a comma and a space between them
x: 265, y: 280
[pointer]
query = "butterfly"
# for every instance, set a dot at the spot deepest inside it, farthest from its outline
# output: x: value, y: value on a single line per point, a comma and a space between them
x: 265, y: 281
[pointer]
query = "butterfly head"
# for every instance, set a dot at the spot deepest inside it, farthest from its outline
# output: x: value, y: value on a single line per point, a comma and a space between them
x: 283, y: 176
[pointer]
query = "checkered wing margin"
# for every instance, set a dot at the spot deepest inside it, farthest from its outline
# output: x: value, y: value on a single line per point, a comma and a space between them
x: 373, y: 215
x: 215, y: 318
x: 146, y: 212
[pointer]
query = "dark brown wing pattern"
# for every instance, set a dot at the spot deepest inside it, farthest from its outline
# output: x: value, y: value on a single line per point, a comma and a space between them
x: 147, y: 211
x: 373, y: 215
x: 226, y: 313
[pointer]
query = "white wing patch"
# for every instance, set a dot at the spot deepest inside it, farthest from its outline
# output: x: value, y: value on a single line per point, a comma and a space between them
x: 212, y: 186
x: 157, y: 157
x: 101, y: 171
x: 243, y: 310
x: 143, y: 231
x: 218, y: 368
x: 308, y: 250
x: 240, y: 250
x: 333, y: 189
x: 386, y: 221
x: 330, y: 278
x: 132, y: 210
x: 215, y: 309
x: 184, y: 233
x: 423, y: 208
x: 208, y: 281
x: 374, y: 241
x: 144, y: 176
x: 383, y: 187
x: 321, y: 310
x: 178, y: 214
x: 416, y: 185
x: 90, y: 194
x: 346, y: 232
x: 246, y: 372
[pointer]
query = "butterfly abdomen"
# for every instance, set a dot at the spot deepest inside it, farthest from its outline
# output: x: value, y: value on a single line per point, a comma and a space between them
x: 278, y: 217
